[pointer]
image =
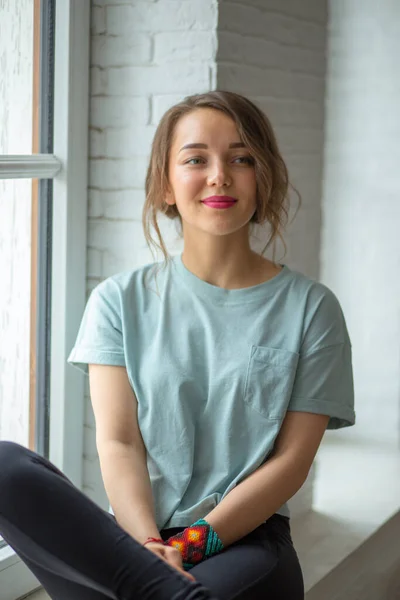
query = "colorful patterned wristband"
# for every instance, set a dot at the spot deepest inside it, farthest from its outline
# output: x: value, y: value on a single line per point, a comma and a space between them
x: 213, y: 543
x: 196, y: 543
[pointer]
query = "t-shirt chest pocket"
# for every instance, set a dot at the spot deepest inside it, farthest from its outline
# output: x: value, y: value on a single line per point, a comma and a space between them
x: 269, y: 380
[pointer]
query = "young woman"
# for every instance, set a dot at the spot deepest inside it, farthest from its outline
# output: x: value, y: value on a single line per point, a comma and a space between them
x: 212, y: 381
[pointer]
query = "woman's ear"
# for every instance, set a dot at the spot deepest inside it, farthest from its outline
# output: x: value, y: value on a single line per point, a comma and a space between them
x: 169, y: 197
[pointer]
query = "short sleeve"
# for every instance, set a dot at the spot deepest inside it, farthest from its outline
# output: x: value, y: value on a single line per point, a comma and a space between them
x: 324, y: 376
x: 99, y: 339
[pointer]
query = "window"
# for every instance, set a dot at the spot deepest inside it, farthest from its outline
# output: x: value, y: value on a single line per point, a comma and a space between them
x: 26, y: 112
x: 43, y: 110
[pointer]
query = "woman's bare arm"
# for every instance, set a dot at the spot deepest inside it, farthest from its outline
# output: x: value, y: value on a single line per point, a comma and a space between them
x: 121, y: 451
x: 261, y: 494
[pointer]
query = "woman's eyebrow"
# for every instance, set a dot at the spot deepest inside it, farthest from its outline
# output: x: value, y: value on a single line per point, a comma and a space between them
x: 233, y: 145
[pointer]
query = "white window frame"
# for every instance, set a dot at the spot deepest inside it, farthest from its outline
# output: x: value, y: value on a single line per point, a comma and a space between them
x: 69, y: 170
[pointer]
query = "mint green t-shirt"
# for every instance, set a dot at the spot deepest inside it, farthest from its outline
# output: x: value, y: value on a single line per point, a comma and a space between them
x: 214, y: 372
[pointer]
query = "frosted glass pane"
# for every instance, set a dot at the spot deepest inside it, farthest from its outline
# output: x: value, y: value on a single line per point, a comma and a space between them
x: 15, y: 306
x: 16, y: 79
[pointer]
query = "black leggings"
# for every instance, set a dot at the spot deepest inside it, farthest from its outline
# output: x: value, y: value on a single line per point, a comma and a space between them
x: 79, y: 552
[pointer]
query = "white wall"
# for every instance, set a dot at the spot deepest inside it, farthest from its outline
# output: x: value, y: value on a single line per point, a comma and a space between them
x: 148, y: 55
x: 361, y: 201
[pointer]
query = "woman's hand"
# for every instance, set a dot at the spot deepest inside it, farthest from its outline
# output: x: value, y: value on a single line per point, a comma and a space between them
x: 170, y: 555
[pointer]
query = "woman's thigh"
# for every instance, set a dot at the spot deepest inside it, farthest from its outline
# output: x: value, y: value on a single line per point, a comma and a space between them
x: 263, y: 565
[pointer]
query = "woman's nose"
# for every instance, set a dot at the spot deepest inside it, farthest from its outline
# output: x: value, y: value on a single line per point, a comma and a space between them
x: 219, y: 175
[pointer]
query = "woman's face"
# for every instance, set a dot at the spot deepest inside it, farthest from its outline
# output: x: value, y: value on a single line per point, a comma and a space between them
x: 222, y: 166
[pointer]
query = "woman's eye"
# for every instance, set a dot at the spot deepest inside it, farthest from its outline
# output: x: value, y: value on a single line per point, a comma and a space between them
x: 246, y: 159
x: 188, y: 162
x: 243, y: 160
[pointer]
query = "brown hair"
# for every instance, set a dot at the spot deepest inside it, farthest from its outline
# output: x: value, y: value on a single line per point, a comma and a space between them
x: 255, y: 131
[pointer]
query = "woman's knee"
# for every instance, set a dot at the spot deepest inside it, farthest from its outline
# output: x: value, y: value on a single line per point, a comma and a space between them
x: 9, y: 450
x: 13, y: 461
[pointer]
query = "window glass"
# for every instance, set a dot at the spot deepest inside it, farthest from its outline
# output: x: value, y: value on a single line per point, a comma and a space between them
x: 15, y: 308
x: 16, y: 81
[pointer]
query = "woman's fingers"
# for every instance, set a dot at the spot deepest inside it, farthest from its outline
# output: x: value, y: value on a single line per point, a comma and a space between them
x: 170, y: 555
x: 174, y: 558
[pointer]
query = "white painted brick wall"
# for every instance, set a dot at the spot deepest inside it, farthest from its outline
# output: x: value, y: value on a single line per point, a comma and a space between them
x: 361, y: 245
x: 148, y: 55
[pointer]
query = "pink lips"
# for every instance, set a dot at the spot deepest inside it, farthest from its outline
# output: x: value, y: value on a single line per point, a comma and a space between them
x: 219, y: 201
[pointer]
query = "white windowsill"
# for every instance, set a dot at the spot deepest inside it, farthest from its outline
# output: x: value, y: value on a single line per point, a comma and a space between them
x: 357, y: 489
x: 15, y: 578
